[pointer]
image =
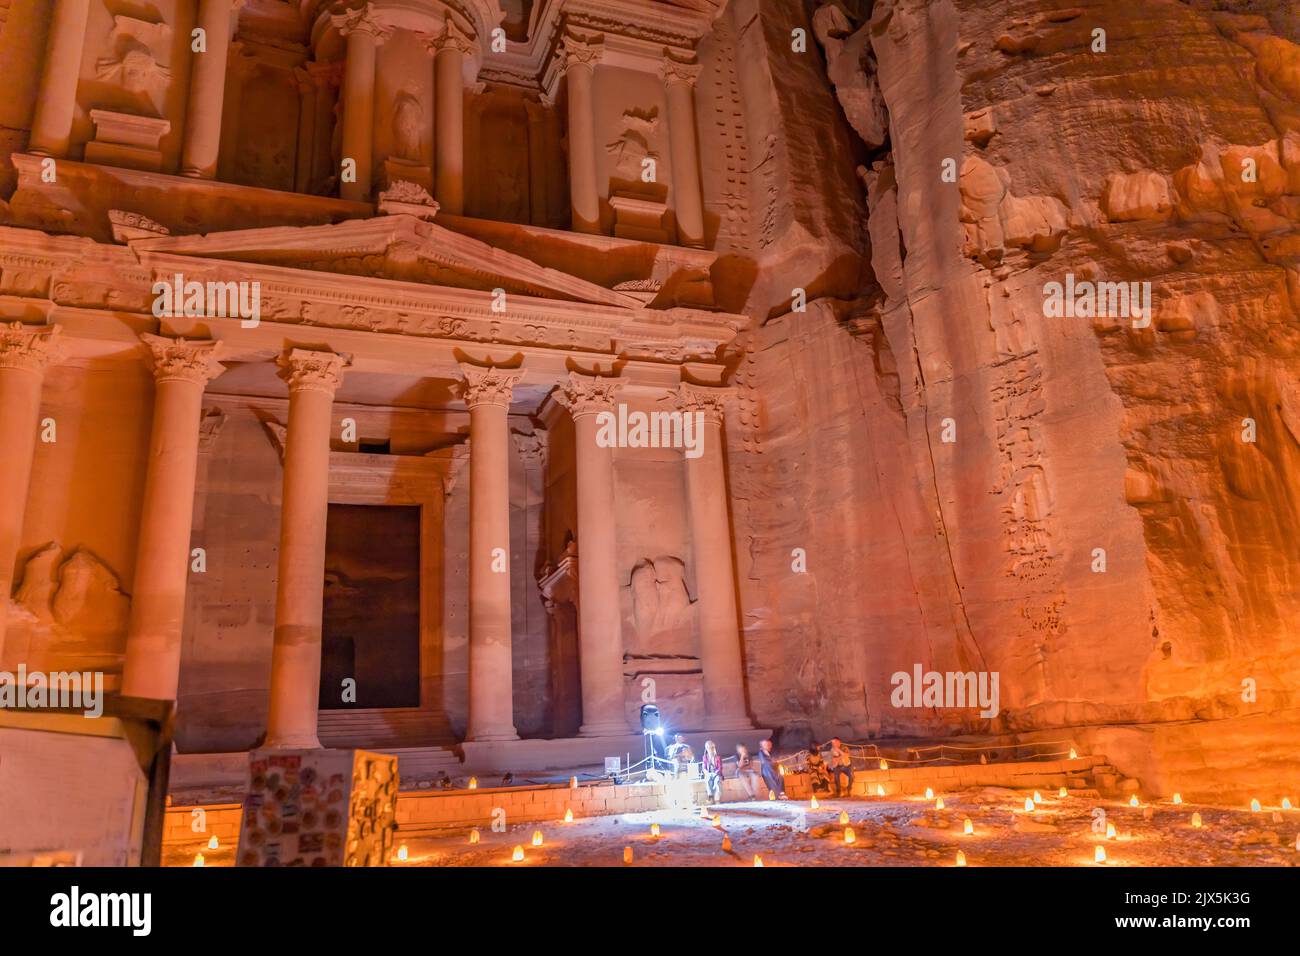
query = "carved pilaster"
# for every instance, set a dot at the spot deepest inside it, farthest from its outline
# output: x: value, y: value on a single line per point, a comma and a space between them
x: 181, y: 360
x: 305, y: 370
x: 487, y: 386
x: 709, y: 400
x: 29, y: 348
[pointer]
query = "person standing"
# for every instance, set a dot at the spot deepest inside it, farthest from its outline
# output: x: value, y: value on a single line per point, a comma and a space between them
x: 841, y: 764
x: 767, y: 767
x: 712, y: 772
x: 745, y: 771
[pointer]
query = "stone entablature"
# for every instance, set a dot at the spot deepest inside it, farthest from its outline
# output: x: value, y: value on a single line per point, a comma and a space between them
x: 42, y: 275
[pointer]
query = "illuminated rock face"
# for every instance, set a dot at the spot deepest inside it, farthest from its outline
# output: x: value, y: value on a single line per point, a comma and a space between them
x: 1168, y: 448
x: 915, y: 240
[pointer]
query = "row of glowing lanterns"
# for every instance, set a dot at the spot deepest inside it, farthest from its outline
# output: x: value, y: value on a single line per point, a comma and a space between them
x: 849, y: 836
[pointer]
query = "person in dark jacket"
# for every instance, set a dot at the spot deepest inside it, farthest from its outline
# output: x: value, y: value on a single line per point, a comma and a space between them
x: 767, y: 767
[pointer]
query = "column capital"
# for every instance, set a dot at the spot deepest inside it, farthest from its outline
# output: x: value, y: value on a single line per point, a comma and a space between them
x: 586, y: 395
x: 579, y: 51
x: 183, y: 360
x: 362, y: 19
x: 706, y: 399
x: 487, y: 385
x: 306, y: 370
x: 30, y: 348
x: 451, y: 37
x: 675, y: 71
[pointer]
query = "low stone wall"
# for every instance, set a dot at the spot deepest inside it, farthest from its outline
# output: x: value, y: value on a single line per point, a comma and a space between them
x: 912, y: 781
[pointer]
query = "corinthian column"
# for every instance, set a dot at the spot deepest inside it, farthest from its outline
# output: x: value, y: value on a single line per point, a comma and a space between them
x: 153, y: 641
x: 706, y: 491
x: 600, y: 629
x: 579, y: 66
x: 25, y: 351
x: 449, y: 51
x: 56, y: 100
x: 364, y: 33
x: 208, y: 90
x: 487, y: 392
x: 688, y: 203
x: 300, y: 587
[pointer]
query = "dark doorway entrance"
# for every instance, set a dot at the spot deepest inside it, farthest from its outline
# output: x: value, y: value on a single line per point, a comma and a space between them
x: 371, y: 629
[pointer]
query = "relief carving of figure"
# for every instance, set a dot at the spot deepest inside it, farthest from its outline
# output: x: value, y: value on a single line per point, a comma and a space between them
x: 661, y: 605
x: 408, y: 127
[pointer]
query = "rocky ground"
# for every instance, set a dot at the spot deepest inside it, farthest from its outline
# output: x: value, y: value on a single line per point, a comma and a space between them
x: 888, y: 832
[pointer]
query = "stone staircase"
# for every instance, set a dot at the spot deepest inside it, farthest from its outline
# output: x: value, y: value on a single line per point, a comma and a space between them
x: 383, y: 729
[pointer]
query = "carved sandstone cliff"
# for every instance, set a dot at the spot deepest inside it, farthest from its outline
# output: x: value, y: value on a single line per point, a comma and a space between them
x: 1167, y: 448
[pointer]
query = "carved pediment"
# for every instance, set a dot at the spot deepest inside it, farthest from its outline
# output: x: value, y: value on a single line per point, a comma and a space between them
x: 399, y: 247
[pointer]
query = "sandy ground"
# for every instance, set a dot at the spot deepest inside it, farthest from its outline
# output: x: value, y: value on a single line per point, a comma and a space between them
x: 889, y: 832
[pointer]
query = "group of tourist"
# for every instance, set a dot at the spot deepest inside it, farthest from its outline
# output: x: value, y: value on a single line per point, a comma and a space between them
x: 837, y: 768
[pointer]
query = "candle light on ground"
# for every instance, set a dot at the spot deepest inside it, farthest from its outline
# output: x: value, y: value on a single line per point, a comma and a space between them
x: 1074, y: 754
x: 1099, y: 856
x: 473, y: 836
x: 537, y: 838
x: 473, y: 783
x: 849, y: 835
x: 198, y: 859
x: 1029, y: 805
x: 880, y: 790
x: 1286, y: 803
x: 1133, y: 800
x: 1063, y: 793
x: 213, y: 843
x: 627, y: 855
x: 844, y: 817
x: 1178, y: 798
x: 717, y: 821
x: 568, y: 815
x: 402, y: 853
x: 961, y: 858
x: 518, y: 855
x: 1254, y: 806
x: 1038, y: 797
x: 1110, y: 831
x: 726, y: 844
x: 968, y: 827
x: 771, y: 794
x: 938, y: 804
x: 1196, y: 820
x: 813, y: 804
x: 758, y: 860
x: 884, y: 765
x: 654, y: 830
x: 929, y: 793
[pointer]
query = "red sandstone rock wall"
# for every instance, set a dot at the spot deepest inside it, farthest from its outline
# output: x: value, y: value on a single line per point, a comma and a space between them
x: 1072, y: 434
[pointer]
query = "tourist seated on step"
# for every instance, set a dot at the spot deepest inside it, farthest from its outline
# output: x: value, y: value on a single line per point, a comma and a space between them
x: 818, y: 776
x: 681, y: 754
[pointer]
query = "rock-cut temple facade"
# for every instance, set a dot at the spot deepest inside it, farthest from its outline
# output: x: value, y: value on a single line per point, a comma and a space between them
x: 418, y: 373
